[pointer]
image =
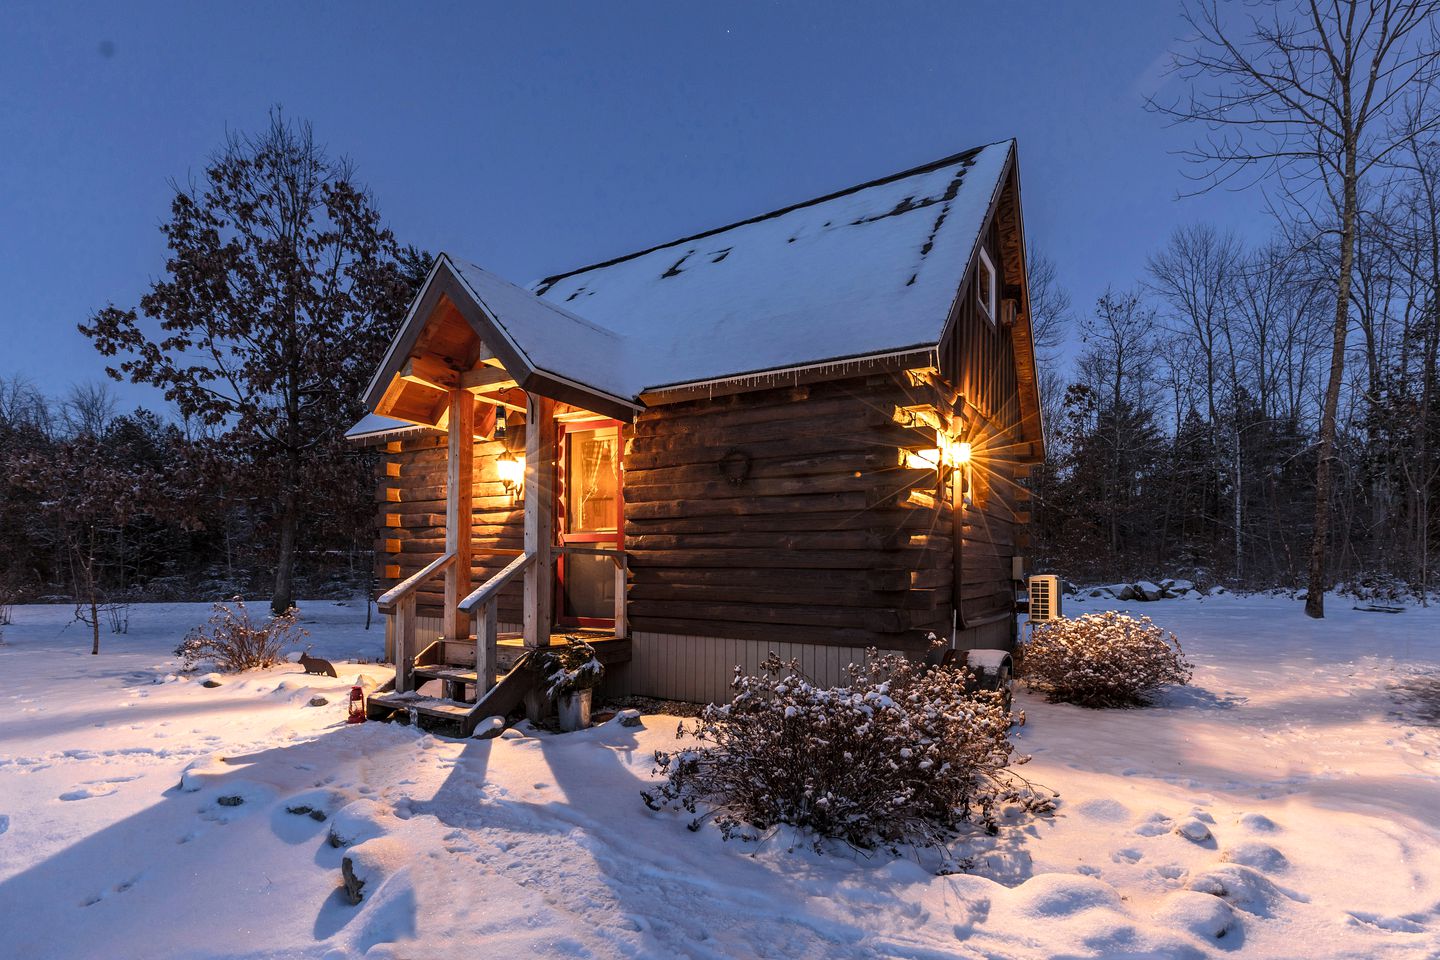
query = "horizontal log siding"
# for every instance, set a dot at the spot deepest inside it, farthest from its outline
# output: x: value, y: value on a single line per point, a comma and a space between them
x: 416, y: 496
x: 787, y: 515
x: 977, y: 360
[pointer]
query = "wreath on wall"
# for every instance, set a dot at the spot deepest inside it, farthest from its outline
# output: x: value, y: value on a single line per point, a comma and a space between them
x: 735, y: 466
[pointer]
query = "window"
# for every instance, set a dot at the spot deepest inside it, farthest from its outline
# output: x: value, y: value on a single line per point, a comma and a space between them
x: 592, y: 480
x: 985, y: 283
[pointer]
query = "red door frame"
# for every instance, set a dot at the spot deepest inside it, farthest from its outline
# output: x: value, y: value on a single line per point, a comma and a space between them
x: 616, y: 539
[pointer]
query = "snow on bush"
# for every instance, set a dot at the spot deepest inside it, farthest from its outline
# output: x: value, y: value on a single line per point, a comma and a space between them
x: 900, y: 754
x: 1102, y: 660
x: 1374, y: 588
x: 232, y: 641
x: 573, y: 668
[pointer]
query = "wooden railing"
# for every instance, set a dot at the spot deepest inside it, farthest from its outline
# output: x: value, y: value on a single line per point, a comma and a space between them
x: 483, y: 606
x: 399, y: 603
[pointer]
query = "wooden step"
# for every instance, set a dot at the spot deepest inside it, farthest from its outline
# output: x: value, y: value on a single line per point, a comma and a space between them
x: 461, y: 653
x: 425, y: 706
x: 453, y: 718
x: 451, y: 673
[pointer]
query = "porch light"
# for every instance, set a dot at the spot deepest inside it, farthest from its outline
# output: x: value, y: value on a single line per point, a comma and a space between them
x: 511, y: 470
x: 960, y: 452
x: 923, y: 459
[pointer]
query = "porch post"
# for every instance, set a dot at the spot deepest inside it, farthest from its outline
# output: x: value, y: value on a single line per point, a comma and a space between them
x: 459, y: 495
x: 540, y: 457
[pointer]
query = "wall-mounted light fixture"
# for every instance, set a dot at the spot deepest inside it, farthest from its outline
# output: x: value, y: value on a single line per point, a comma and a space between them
x: 949, y: 453
x: 511, y: 470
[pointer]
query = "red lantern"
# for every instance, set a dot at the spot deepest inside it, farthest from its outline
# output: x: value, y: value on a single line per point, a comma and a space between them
x: 357, y: 705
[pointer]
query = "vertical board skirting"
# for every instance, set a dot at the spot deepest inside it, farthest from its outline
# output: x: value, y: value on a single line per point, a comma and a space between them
x: 988, y: 636
x: 699, y: 669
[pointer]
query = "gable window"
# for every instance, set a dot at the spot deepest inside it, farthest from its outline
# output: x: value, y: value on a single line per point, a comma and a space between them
x: 985, y: 285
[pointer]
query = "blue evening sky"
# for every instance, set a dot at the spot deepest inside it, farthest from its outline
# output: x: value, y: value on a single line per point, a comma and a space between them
x: 535, y: 137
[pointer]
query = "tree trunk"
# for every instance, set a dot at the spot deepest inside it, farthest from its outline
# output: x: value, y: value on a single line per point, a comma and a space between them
x: 284, y: 597
x: 87, y: 568
x: 1325, y: 450
x: 1238, y: 512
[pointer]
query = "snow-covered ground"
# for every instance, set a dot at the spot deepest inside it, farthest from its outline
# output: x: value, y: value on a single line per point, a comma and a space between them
x: 1311, y: 790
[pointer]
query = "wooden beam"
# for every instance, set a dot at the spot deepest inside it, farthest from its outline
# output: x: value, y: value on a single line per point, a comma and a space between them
x: 511, y: 398
x: 485, y: 379
x: 430, y: 372
x: 459, y: 494
x: 540, y: 456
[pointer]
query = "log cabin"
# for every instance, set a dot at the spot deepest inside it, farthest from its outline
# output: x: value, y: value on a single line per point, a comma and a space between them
x: 802, y: 433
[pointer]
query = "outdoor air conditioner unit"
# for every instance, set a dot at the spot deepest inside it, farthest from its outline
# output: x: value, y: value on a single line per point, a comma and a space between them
x: 1044, y: 598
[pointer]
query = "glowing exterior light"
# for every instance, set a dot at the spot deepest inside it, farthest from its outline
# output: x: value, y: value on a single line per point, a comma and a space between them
x: 949, y: 453
x: 511, y: 471
x: 923, y: 459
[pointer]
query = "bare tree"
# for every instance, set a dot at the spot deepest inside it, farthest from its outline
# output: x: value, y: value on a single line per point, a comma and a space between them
x: 1118, y: 363
x: 1303, y: 95
x: 22, y: 405
x: 1050, y: 317
x: 88, y: 409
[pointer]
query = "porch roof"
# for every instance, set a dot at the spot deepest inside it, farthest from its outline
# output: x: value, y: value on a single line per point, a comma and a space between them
x: 374, y: 428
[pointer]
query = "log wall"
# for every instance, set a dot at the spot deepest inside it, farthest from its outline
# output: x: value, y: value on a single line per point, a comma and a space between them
x: 789, y: 514
x: 410, y: 495
x: 978, y: 359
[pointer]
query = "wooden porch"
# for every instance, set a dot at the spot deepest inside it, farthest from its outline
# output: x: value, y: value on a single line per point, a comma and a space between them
x: 451, y: 379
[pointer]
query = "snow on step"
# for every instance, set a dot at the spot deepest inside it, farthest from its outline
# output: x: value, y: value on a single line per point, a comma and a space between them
x: 430, y: 706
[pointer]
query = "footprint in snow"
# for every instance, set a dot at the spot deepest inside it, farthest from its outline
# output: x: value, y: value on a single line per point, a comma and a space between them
x: 1410, y: 923
x: 89, y: 791
x: 4, y: 822
x: 1127, y: 855
x: 1103, y: 810
x: 1260, y: 856
x: 1154, y: 825
x: 1258, y: 822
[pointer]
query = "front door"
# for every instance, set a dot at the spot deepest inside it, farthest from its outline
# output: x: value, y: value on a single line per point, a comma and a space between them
x: 590, y: 516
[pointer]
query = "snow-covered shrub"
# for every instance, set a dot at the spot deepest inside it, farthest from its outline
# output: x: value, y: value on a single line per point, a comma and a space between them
x: 235, y: 642
x: 1376, y: 588
x: 900, y: 754
x: 571, y: 669
x: 1102, y: 660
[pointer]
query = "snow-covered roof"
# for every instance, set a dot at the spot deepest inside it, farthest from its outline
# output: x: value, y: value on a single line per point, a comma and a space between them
x: 549, y: 336
x: 868, y: 270
x: 373, y: 427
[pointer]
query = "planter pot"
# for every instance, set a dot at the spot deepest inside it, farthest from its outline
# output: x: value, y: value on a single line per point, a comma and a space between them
x: 537, y: 706
x: 574, y: 710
